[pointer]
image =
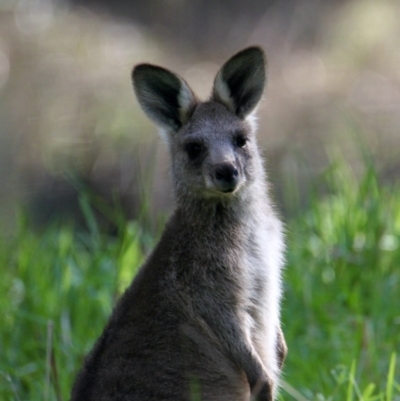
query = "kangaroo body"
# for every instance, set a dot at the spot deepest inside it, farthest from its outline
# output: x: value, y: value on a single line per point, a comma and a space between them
x: 200, y: 321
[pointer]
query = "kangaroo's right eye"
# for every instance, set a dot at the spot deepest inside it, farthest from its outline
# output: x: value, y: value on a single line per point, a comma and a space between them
x: 240, y: 141
x: 193, y: 150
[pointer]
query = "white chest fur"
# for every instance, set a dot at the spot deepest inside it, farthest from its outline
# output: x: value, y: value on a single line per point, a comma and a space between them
x: 263, y: 259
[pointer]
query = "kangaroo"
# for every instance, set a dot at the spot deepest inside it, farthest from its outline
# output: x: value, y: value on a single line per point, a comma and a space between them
x: 201, y: 319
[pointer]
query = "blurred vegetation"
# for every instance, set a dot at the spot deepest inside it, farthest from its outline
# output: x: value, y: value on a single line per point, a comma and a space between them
x: 343, y: 283
x: 67, y: 107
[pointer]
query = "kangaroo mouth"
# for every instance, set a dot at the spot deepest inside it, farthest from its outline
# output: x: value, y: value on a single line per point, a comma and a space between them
x: 218, y: 188
x: 226, y: 190
x: 221, y: 192
x: 225, y: 187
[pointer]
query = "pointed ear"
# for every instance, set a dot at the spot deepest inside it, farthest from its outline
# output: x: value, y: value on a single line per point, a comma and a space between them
x: 240, y: 82
x: 164, y: 97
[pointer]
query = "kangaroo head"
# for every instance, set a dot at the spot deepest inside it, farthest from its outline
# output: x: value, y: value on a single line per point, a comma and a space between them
x: 213, y: 145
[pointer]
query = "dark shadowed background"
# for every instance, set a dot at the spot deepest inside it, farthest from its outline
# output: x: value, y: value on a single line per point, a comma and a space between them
x: 69, y: 119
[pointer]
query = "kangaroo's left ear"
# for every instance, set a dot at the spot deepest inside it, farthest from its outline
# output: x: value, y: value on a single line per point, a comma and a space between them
x: 164, y: 96
x: 240, y: 82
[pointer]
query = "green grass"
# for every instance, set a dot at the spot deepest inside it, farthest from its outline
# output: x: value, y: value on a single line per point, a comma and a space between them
x: 341, y: 310
x: 342, y: 306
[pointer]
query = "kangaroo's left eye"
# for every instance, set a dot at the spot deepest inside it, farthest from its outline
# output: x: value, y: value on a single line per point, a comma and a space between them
x: 193, y: 149
x: 240, y: 141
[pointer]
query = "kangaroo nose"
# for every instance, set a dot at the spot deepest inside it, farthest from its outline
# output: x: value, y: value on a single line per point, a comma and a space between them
x: 227, y: 174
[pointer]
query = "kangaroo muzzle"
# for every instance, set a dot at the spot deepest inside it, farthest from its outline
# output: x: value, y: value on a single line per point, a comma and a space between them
x: 226, y: 177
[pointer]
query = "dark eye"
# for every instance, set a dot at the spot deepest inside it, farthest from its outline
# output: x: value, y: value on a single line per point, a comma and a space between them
x: 193, y: 150
x: 240, y: 141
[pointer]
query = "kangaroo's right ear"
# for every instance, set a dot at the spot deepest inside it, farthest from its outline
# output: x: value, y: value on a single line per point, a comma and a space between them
x: 163, y: 96
x: 240, y: 82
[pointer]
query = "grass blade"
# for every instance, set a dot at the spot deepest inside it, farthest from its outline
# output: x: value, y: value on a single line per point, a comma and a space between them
x: 351, y: 381
x: 48, y: 360
x: 390, y: 379
x: 292, y: 391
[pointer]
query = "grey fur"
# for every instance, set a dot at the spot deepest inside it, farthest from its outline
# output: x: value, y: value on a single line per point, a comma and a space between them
x: 201, y: 319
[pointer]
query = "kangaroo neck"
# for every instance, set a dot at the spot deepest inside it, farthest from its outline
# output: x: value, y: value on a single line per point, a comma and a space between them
x: 219, y: 214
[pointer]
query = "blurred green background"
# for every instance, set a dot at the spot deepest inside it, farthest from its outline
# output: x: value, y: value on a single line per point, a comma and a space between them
x: 84, y: 186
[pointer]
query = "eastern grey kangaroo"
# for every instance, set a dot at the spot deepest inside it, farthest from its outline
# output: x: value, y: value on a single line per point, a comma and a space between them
x: 201, y: 319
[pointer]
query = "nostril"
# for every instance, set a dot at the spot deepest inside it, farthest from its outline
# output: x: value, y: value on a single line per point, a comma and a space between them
x: 219, y: 174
